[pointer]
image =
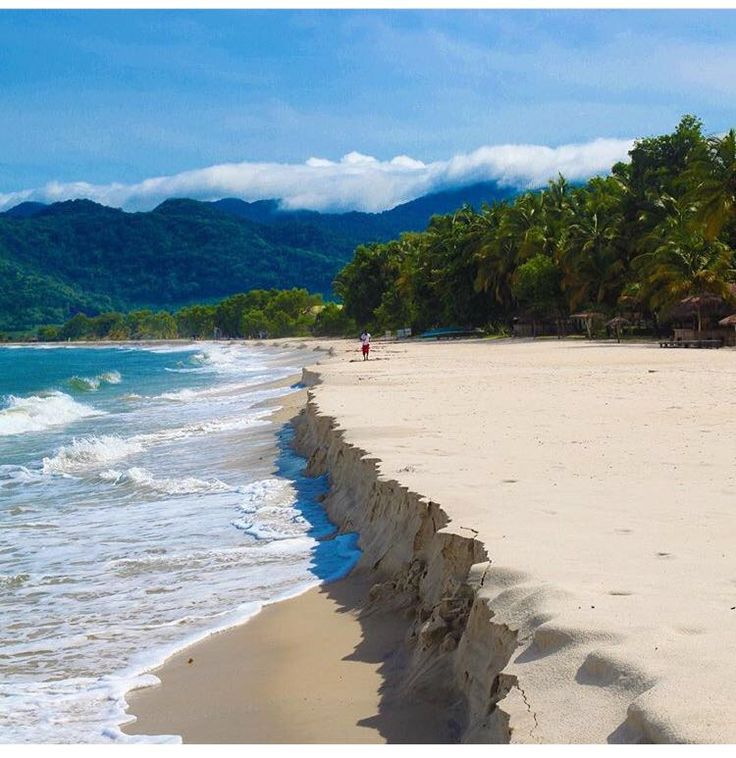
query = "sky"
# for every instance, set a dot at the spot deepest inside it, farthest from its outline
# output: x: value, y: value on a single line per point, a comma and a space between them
x: 342, y: 109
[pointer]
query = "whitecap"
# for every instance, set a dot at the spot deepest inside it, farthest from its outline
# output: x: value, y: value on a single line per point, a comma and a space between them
x: 111, y: 377
x: 91, y: 383
x: 38, y: 412
x: 144, y: 479
x: 86, y: 452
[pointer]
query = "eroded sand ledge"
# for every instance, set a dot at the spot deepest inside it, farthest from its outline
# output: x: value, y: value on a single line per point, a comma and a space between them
x: 593, y: 602
x: 427, y: 569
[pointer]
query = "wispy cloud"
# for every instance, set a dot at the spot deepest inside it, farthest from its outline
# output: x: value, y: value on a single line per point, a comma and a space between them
x: 355, y: 182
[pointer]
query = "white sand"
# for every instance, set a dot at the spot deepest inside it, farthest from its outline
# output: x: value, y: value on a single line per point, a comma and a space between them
x: 600, y: 478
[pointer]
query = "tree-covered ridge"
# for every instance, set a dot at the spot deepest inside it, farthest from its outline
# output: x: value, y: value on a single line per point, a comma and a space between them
x: 78, y: 256
x: 638, y: 242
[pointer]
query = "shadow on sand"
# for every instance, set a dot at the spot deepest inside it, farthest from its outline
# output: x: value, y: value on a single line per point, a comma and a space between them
x: 401, y: 717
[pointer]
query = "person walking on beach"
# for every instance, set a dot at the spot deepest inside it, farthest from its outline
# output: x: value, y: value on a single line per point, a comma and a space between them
x: 365, y: 340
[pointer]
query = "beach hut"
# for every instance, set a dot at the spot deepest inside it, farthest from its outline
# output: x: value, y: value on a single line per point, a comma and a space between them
x: 588, y: 317
x: 728, y: 321
x: 616, y: 323
x: 699, y: 302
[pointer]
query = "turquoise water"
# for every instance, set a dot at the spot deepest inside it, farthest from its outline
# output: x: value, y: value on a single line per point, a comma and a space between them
x: 145, y: 502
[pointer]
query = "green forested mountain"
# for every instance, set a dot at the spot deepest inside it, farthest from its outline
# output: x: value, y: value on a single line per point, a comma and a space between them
x: 79, y: 256
x: 357, y: 227
x: 650, y: 244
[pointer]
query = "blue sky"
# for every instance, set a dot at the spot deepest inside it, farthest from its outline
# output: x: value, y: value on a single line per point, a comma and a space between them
x: 115, y: 97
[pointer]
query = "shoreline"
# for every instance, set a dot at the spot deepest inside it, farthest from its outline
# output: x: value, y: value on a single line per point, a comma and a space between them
x: 152, y: 630
x: 558, y: 581
x: 171, y: 715
x: 249, y: 683
x: 350, y: 689
x: 252, y: 684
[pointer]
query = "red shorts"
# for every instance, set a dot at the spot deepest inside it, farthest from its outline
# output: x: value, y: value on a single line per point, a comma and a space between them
x: 365, y: 349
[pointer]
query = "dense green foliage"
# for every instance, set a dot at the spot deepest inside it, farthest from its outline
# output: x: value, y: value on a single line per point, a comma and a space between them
x: 255, y: 314
x: 658, y: 231
x: 79, y: 256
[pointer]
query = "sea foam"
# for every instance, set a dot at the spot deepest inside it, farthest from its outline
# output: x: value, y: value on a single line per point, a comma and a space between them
x: 268, y: 511
x: 18, y: 476
x: 90, y: 451
x: 38, y: 412
x: 119, y: 540
x: 144, y: 479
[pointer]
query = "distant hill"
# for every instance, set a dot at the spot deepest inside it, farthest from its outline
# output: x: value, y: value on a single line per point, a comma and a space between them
x: 77, y: 255
x: 26, y: 210
x: 412, y: 216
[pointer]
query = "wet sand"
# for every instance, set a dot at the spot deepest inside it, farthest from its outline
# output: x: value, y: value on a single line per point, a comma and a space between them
x: 311, y: 669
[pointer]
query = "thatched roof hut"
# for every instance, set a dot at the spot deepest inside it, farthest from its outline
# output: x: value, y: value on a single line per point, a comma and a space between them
x: 588, y: 317
x: 695, y: 304
x: 616, y: 323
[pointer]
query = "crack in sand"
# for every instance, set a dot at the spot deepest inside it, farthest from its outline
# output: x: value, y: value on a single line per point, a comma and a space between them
x: 485, y: 573
x: 528, y: 707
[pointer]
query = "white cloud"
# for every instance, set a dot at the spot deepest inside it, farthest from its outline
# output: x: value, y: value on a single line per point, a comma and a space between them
x: 356, y: 182
x: 358, y: 159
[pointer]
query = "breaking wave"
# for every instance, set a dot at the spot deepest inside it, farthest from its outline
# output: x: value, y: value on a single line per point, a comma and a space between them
x: 38, y: 412
x: 17, y: 476
x: 91, y: 383
x: 90, y: 451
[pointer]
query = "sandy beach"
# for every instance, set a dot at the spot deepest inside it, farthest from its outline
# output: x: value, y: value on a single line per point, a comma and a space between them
x: 547, y: 525
x: 312, y: 669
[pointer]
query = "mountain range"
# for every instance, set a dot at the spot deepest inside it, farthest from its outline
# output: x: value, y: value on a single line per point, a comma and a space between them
x: 80, y: 256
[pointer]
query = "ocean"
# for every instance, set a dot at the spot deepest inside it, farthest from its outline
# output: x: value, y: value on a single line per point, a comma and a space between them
x: 146, y: 501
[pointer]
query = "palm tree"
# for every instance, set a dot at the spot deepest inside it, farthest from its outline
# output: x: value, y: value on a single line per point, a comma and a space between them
x: 496, y: 255
x: 557, y: 200
x: 591, y: 250
x: 681, y: 262
x: 713, y: 173
x: 526, y: 223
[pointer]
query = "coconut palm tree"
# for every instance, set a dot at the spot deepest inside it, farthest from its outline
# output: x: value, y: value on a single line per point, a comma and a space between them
x: 496, y: 253
x: 713, y: 175
x: 526, y: 222
x: 591, y: 251
x: 680, y: 261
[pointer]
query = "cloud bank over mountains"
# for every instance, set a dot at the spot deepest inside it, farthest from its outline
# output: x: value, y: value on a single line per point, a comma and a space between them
x: 355, y: 182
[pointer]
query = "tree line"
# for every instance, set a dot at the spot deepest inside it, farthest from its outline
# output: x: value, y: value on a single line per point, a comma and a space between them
x: 257, y: 314
x: 653, y: 240
x: 79, y: 256
x: 659, y: 230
